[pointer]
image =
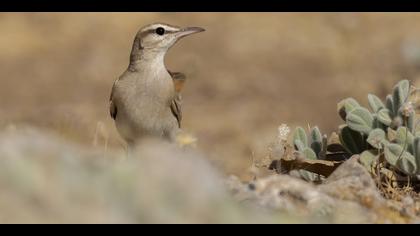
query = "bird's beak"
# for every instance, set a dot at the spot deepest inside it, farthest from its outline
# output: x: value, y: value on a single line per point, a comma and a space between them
x: 189, y: 30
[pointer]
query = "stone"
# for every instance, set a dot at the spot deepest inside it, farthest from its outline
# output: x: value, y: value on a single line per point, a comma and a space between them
x: 351, y: 181
x: 348, y: 195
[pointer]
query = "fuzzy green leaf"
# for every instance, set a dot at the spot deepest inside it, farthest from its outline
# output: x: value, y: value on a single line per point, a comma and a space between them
x: 316, y: 147
x: 376, y: 138
x: 407, y: 164
x: 404, y: 88
x: 299, y: 145
x: 360, y: 119
x: 375, y: 103
x: 384, y: 116
x: 300, y: 135
x: 316, y: 140
x: 416, y: 145
x: 324, y: 144
x: 405, y: 138
x: 316, y: 135
x: 368, y: 158
x: 400, y: 159
x: 352, y: 141
x: 411, y: 122
x: 400, y: 94
x: 309, y: 154
x: 390, y: 105
x: 345, y: 106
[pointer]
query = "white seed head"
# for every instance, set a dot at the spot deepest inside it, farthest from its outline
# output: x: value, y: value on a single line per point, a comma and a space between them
x: 284, y: 131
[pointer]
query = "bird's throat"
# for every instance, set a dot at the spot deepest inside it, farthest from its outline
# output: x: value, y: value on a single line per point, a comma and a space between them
x: 148, y: 60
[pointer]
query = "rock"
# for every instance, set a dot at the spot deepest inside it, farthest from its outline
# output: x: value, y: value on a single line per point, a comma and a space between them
x: 351, y: 181
x: 302, y: 199
x: 349, y: 195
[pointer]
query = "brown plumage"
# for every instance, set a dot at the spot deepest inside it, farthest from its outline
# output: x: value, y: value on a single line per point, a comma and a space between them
x: 179, y: 80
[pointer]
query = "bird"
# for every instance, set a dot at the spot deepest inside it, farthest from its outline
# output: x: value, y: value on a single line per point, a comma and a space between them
x: 145, y: 100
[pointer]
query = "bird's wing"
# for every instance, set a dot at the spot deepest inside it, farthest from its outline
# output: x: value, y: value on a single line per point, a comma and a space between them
x: 176, y: 109
x: 112, y: 107
x: 179, y: 79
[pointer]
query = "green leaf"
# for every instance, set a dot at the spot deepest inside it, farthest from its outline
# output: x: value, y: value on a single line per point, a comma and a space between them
x: 360, y: 119
x: 411, y: 122
x: 417, y: 152
x: 407, y: 164
x: 316, y: 147
x: 377, y: 124
x: 316, y: 140
x: 316, y: 135
x: 384, y: 116
x: 368, y: 158
x: 397, y: 102
x: 299, y: 145
x: 352, y: 141
x: 375, y: 103
x: 307, y: 175
x: 300, y: 135
x: 405, y: 138
x: 351, y: 104
x: 404, y: 88
x: 400, y: 94
x: 392, y: 153
x: 376, y: 138
x: 309, y: 154
x: 390, y: 105
x: 345, y: 106
x: 400, y: 159
x: 324, y: 144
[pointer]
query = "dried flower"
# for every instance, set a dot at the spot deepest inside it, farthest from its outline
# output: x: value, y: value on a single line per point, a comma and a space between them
x: 284, y: 131
x: 407, y: 109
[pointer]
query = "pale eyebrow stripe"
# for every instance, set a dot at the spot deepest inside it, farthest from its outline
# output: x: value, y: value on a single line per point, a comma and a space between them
x: 152, y: 31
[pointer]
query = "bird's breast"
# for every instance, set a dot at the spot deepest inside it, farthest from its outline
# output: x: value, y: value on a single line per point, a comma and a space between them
x: 158, y: 87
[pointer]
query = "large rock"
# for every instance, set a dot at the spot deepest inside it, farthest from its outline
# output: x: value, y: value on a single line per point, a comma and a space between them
x: 349, y: 195
x: 351, y: 181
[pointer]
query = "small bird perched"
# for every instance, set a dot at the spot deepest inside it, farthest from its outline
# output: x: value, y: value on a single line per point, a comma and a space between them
x: 145, y: 99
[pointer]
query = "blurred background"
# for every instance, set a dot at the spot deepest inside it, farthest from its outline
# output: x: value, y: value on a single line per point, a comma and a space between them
x: 247, y: 74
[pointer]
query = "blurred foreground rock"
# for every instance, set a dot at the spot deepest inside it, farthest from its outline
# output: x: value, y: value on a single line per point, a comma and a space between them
x: 45, y: 179
x: 349, y: 195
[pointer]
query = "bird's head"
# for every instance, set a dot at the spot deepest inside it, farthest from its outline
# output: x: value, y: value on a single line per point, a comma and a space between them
x: 160, y: 37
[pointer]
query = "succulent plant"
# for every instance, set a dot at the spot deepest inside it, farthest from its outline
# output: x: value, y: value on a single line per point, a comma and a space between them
x: 312, y: 147
x: 315, y: 146
x: 353, y: 141
x: 386, y: 134
x: 389, y: 128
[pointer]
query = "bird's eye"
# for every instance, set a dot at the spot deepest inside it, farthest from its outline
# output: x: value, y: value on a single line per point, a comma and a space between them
x: 160, y: 31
